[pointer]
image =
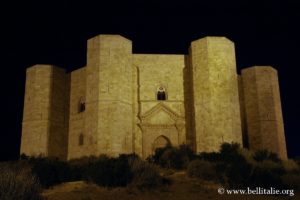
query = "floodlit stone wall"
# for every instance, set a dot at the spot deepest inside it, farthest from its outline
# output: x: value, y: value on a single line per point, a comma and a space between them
x: 45, y: 123
x: 263, y: 109
x: 215, y: 90
x: 122, y: 102
x: 159, y: 117
x: 108, y: 115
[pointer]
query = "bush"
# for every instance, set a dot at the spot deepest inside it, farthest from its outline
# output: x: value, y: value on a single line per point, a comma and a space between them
x: 187, y: 152
x: 172, y: 157
x: 290, y: 166
x: 49, y: 171
x: 145, y: 175
x: 230, y: 153
x: 102, y: 170
x: 291, y: 180
x: 210, y: 156
x: 78, y: 166
x: 232, y: 167
x: 238, y: 167
x: 202, y: 169
x: 262, y: 155
x: 297, y: 160
x: 248, y: 155
x: 109, y: 172
x: 18, y: 183
x: 267, y: 174
x: 235, y: 174
x: 157, y: 154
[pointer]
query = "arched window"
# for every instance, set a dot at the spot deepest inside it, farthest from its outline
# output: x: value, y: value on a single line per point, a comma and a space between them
x: 161, y: 94
x: 80, y: 140
x: 81, y: 106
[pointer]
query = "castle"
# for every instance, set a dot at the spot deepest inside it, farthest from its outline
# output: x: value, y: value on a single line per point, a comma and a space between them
x: 122, y: 102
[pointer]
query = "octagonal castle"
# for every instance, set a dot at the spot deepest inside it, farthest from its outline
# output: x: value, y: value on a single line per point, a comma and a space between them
x: 122, y: 102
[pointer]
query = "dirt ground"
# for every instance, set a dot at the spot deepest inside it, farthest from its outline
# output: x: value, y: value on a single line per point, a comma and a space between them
x: 182, y: 188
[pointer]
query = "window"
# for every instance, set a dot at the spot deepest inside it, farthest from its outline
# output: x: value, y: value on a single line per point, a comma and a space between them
x: 81, y: 106
x: 80, y: 140
x: 161, y: 94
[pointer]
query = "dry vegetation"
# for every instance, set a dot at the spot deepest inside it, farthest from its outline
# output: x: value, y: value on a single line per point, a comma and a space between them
x: 171, y: 173
x: 17, y: 183
x: 182, y: 188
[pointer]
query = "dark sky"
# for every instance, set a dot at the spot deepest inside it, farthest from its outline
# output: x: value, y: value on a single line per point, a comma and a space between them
x: 265, y: 32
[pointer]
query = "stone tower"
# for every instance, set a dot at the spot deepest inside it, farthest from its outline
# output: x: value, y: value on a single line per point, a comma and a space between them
x: 106, y: 124
x: 45, y: 116
x: 215, y: 93
x: 123, y: 102
x: 263, y: 110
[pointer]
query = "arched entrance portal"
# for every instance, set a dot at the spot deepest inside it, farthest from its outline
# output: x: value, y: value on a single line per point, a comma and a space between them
x: 161, y: 142
x: 161, y: 126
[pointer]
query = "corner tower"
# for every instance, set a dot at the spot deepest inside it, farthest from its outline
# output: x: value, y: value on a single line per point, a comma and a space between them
x: 108, y: 114
x: 215, y: 88
x: 263, y: 110
x: 45, y: 117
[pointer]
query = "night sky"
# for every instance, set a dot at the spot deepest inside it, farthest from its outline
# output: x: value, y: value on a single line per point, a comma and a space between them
x: 265, y: 32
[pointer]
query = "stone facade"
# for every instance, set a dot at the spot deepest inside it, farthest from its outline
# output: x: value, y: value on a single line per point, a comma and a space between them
x: 263, y: 110
x: 122, y: 102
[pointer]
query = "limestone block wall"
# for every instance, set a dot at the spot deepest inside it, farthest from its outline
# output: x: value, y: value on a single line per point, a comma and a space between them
x: 77, y: 148
x: 206, y: 103
x: 263, y: 110
x: 243, y: 112
x: 59, y: 118
x: 44, y: 127
x: 136, y: 130
x: 215, y: 90
x: 160, y: 70
x: 108, y: 115
x: 188, y: 104
x: 154, y: 71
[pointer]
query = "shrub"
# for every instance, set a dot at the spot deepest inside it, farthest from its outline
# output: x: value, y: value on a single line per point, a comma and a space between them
x: 290, y: 166
x: 172, y: 157
x: 210, y: 156
x: 157, y: 154
x: 102, y: 170
x: 238, y: 167
x: 297, y: 160
x: 202, y: 169
x: 248, y: 155
x: 235, y: 174
x: 291, y: 180
x: 230, y: 153
x: 49, y: 171
x: 145, y: 175
x: 18, y: 183
x: 262, y: 155
x: 233, y: 168
x: 187, y: 152
x: 78, y: 166
x: 109, y: 171
x: 267, y: 174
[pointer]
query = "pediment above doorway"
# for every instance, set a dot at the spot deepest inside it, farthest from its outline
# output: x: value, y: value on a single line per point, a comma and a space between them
x: 160, y: 114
